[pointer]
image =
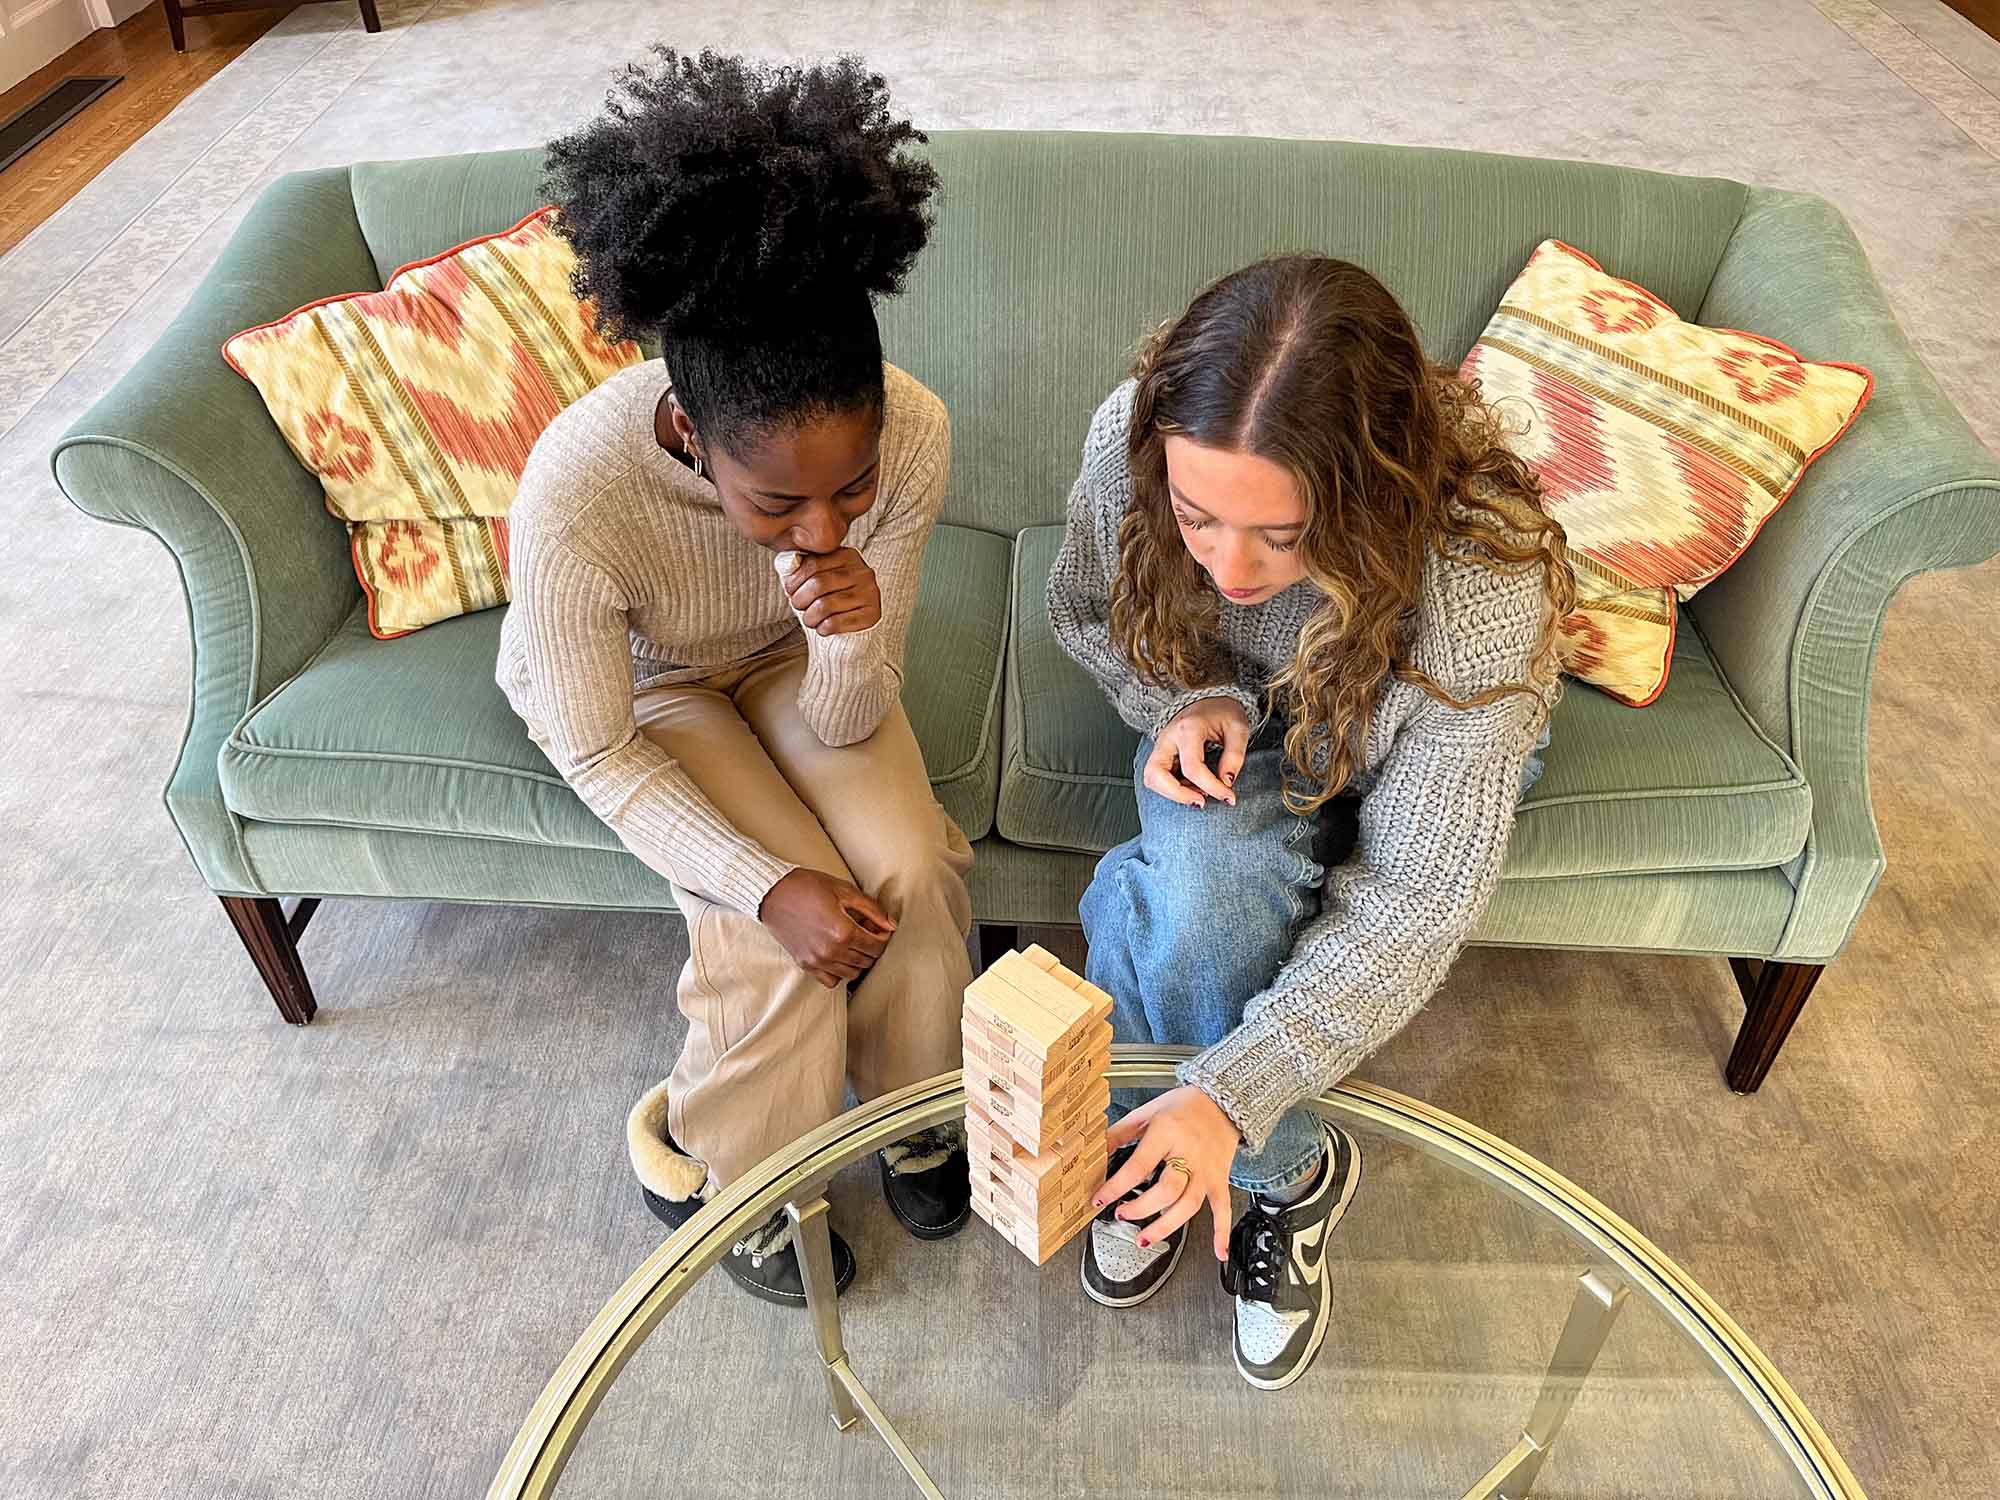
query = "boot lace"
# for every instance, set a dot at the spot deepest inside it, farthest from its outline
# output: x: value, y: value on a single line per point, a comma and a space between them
x: 926, y: 1149
x: 766, y: 1240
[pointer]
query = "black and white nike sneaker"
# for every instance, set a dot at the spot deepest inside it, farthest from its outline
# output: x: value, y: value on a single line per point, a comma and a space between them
x: 1277, y: 1270
x: 764, y: 1262
x: 1117, y: 1270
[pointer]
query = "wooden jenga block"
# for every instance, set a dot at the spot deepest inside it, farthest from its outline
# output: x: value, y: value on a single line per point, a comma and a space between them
x: 1031, y: 1011
x: 1044, y: 1128
x: 1036, y: 1121
x: 1038, y: 1240
x: 998, y: 1180
x: 1013, y: 1017
x: 1067, y: 1003
x: 1026, y: 1079
x: 990, y: 1064
x: 1037, y: 1047
x: 1041, y: 958
x: 999, y: 1159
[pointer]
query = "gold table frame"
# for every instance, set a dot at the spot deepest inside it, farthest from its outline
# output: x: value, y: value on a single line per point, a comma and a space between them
x: 1625, y: 1263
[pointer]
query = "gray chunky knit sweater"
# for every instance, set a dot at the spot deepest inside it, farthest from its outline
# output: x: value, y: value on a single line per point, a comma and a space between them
x: 1440, y: 787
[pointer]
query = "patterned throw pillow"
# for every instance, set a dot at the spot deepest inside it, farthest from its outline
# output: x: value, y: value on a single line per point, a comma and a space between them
x: 416, y: 407
x: 1662, y: 447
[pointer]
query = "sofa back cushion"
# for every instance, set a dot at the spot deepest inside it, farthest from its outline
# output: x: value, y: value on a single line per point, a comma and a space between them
x: 1056, y: 252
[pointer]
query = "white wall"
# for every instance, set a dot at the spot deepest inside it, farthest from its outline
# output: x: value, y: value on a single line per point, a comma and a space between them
x: 114, y: 12
x: 34, y: 32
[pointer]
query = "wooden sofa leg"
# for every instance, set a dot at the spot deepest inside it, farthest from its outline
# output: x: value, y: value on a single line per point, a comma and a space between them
x: 273, y: 943
x: 996, y: 938
x: 175, y: 28
x: 1774, y: 994
x: 370, y: 21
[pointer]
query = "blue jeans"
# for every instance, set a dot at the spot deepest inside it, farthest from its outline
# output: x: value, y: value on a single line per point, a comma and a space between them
x: 1191, y: 920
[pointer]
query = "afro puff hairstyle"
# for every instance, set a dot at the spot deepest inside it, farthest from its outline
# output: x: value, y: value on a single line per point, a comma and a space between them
x: 747, y: 215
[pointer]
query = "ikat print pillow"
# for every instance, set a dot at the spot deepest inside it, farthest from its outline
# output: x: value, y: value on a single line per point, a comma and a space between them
x: 416, y: 407
x: 1662, y: 447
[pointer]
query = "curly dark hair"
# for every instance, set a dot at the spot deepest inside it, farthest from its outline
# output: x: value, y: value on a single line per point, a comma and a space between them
x: 747, y: 214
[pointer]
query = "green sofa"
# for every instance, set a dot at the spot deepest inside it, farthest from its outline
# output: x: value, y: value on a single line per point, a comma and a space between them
x: 1729, y: 818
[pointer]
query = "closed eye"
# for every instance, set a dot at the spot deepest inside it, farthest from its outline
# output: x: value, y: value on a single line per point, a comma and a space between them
x: 1192, y: 523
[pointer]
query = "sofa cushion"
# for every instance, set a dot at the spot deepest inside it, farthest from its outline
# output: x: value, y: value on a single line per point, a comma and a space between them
x: 1662, y: 447
x: 416, y: 407
x: 1686, y: 784
x: 413, y: 735
x: 1024, y: 225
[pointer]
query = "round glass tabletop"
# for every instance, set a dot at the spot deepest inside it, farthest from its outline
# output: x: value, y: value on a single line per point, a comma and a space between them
x: 1496, y: 1332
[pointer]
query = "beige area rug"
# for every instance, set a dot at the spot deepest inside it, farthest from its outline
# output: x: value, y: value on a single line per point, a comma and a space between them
x: 243, y: 1260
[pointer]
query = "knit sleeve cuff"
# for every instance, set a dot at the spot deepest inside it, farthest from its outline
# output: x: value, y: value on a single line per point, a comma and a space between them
x: 742, y: 883
x: 1255, y: 1078
x: 1252, y: 705
x: 851, y: 682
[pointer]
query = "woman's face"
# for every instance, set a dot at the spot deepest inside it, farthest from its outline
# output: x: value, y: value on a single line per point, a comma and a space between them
x: 1241, y: 517
x: 800, y: 490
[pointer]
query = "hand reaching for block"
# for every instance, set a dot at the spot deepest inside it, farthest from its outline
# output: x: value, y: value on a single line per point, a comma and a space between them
x: 1183, y: 1125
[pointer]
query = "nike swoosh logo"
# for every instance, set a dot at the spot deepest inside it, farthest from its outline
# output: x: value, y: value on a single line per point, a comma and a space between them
x: 1307, y: 1249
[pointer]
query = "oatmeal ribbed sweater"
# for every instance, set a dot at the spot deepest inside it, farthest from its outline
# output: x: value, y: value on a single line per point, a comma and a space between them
x: 1440, y: 787
x: 626, y: 574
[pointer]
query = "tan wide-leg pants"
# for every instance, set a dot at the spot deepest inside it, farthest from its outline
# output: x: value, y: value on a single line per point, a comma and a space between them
x: 769, y: 1049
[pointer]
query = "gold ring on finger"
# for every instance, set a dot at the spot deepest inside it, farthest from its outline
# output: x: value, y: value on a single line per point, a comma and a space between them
x: 1179, y: 1164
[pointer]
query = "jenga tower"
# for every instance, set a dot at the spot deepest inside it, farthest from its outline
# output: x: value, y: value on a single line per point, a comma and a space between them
x: 1037, y: 1045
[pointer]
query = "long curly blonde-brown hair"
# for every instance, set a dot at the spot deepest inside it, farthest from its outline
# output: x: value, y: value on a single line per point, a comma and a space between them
x: 1309, y: 362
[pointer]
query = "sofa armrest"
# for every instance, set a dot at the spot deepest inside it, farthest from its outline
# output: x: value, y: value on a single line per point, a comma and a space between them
x: 183, y: 447
x: 1794, y: 624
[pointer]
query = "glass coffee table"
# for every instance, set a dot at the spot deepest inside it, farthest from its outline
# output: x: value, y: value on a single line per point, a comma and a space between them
x: 1496, y: 1332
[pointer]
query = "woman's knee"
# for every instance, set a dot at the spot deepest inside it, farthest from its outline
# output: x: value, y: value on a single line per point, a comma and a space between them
x: 1223, y: 857
x: 921, y: 864
x: 1212, y: 905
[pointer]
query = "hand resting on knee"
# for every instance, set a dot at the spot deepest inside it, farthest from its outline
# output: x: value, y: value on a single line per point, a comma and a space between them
x: 835, y: 930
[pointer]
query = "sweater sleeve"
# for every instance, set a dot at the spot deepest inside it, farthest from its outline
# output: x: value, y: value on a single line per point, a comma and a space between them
x: 1433, y: 833
x: 853, y: 680
x: 1079, y: 587
x: 574, y: 689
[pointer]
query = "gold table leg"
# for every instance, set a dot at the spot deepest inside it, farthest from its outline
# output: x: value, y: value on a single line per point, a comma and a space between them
x: 1599, y: 1296
x: 846, y: 1394
x: 815, y: 1243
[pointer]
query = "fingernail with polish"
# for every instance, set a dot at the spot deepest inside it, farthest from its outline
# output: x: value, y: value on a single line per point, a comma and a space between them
x: 1144, y: 1242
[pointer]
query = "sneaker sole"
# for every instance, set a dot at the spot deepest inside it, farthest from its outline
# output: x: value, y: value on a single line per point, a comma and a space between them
x: 1103, y: 1299
x: 1278, y: 1383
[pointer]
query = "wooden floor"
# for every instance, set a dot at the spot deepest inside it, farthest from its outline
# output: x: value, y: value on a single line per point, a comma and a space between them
x: 1985, y: 14
x: 156, y: 79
